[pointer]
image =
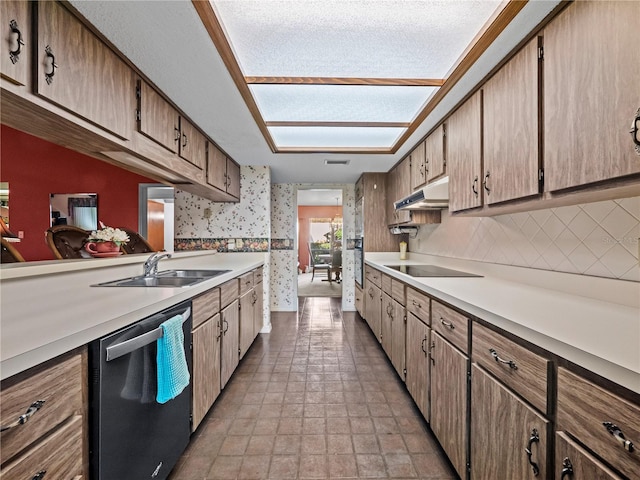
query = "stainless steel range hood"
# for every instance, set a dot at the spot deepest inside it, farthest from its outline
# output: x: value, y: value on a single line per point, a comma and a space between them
x: 434, y: 196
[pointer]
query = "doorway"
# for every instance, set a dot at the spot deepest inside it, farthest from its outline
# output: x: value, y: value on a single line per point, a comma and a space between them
x: 156, y: 215
x: 319, y: 241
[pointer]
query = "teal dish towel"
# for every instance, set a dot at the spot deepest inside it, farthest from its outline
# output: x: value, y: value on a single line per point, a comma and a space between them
x: 173, y: 372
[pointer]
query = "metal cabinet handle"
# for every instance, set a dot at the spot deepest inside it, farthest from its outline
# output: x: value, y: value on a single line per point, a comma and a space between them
x: 184, y: 140
x: 567, y: 468
x: 176, y: 131
x: 635, y: 127
x: 40, y: 475
x: 485, y: 183
x: 48, y: 76
x: 511, y: 363
x: 219, y: 330
x: 447, y: 324
x: 416, y: 304
x: 474, y: 186
x: 14, y: 55
x: 614, y: 430
x: 424, y: 340
x: 24, y: 418
x: 224, y: 332
x: 534, y: 438
x: 371, y: 292
x: 433, y: 360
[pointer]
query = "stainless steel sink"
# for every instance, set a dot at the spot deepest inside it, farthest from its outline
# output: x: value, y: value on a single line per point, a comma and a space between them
x: 167, y: 278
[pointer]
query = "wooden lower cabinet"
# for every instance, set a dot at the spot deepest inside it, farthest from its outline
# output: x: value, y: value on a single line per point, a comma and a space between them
x: 386, y: 322
x: 359, y: 300
x: 449, y: 395
x: 206, y: 368
x: 230, y: 324
x: 417, y: 379
x: 258, y: 317
x: 247, y: 319
x: 509, y: 439
x: 398, y: 337
x: 373, y: 308
x: 575, y: 463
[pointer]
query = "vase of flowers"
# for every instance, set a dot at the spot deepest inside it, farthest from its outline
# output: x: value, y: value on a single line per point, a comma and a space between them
x: 106, y: 241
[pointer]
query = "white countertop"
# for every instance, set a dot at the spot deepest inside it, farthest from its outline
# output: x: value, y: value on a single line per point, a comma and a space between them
x: 591, y: 321
x: 49, y: 308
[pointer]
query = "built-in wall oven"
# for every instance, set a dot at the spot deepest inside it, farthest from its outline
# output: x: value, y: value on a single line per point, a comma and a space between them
x: 358, y: 249
x: 132, y: 436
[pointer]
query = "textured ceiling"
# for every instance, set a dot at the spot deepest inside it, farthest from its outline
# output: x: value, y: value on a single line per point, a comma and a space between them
x: 169, y: 44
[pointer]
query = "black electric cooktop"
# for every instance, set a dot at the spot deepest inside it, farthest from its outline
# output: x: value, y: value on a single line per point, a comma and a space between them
x: 430, y: 271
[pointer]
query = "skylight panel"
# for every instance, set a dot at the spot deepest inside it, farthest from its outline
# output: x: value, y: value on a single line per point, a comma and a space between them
x: 345, y: 103
x: 335, y: 137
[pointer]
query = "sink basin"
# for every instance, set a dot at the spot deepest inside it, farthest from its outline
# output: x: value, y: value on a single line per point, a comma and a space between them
x: 167, y: 278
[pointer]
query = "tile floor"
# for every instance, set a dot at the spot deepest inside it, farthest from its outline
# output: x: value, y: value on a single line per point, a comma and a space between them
x: 314, y: 399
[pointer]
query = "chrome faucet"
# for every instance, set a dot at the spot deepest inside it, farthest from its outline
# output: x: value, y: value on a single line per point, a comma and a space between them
x: 150, y: 266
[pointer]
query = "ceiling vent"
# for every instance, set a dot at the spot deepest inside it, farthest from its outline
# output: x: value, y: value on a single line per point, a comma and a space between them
x: 336, y: 162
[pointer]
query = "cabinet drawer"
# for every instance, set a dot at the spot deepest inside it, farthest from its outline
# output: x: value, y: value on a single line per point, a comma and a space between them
x: 583, y: 407
x: 452, y: 325
x: 373, y: 275
x: 59, y: 386
x: 519, y: 368
x: 386, y: 284
x: 571, y: 457
x: 59, y: 455
x: 257, y: 275
x: 205, y: 306
x: 246, y: 282
x: 228, y: 292
x: 418, y: 304
x: 397, y: 291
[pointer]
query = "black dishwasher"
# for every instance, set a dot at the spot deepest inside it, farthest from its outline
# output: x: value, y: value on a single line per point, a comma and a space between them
x: 132, y: 436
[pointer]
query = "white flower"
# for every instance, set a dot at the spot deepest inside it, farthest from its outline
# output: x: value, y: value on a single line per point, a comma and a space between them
x: 109, y: 234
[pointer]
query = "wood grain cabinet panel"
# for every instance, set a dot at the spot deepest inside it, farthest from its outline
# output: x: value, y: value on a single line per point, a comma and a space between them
x: 229, y: 292
x: 464, y: 155
x: 452, y: 325
x: 205, y: 306
x: 88, y: 78
x: 258, y: 320
x: 503, y: 428
x: 59, y: 386
x: 418, y: 166
x: 15, y: 49
x: 418, y: 304
x: 206, y: 367
x: 398, y: 187
x: 510, y: 129
x: 193, y: 144
x: 359, y: 301
x: 233, y: 178
x: 397, y: 291
x: 449, y: 395
x: 398, y: 337
x: 247, y: 320
x: 158, y: 119
x: 435, y: 154
x: 59, y: 456
x: 573, y: 462
x: 373, y: 308
x: 417, y: 379
x: 373, y: 275
x: 374, y: 214
x: 217, y: 168
x: 229, y: 357
x: 246, y: 282
x: 591, y: 93
x: 518, y: 367
x: 386, y: 321
x: 585, y: 410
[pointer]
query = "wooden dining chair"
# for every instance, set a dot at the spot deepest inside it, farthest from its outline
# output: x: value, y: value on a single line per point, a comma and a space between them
x: 317, y: 265
x: 136, y: 244
x: 67, y: 241
x: 9, y: 253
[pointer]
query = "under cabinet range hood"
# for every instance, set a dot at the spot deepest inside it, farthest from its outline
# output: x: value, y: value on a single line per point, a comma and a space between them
x: 434, y: 196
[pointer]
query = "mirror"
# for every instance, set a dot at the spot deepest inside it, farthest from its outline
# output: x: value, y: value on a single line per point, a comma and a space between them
x: 4, y: 201
x: 77, y: 209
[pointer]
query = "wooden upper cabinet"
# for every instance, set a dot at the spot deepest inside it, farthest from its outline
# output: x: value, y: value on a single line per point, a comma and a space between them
x: 15, y: 52
x: 418, y: 167
x: 193, y: 144
x: 591, y: 93
x: 464, y: 155
x: 398, y: 187
x: 158, y: 120
x: 222, y: 172
x: 434, y: 154
x: 233, y: 178
x: 79, y: 73
x: 510, y: 110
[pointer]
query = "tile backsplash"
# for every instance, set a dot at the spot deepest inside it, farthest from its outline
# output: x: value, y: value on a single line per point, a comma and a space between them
x: 599, y: 239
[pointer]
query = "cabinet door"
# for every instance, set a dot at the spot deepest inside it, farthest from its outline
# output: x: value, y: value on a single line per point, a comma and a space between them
x: 418, y: 341
x: 15, y: 51
x: 464, y: 154
x: 403, y: 188
x: 510, y: 110
x: 418, y: 167
x: 591, y: 93
x: 434, y: 154
x: 386, y: 320
x: 233, y: 178
x: 206, y: 368
x: 392, y: 195
x: 217, y: 168
x: 508, y: 438
x: 449, y: 401
x: 158, y: 119
x: 88, y: 78
x: 373, y: 308
x: 247, y: 302
x: 229, y: 357
x: 398, y: 337
x: 575, y: 463
x: 258, y: 307
x: 193, y: 145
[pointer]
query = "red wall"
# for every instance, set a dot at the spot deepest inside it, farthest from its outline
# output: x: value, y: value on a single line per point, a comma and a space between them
x: 304, y: 214
x: 36, y: 168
